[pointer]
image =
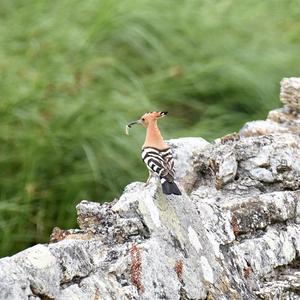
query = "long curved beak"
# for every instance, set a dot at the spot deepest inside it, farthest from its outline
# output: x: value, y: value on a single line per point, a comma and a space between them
x: 133, y: 123
x: 130, y: 124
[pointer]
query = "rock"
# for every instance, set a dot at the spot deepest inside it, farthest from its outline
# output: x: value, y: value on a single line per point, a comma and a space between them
x: 233, y: 234
x: 267, y: 127
x: 183, y: 151
x: 283, y: 282
x: 281, y: 120
x: 290, y: 92
x: 33, y: 272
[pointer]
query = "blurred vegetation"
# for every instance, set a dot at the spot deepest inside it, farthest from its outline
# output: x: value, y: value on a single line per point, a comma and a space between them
x: 74, y: 72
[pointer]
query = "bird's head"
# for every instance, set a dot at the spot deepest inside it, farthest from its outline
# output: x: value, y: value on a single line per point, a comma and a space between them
x: 147, y: 118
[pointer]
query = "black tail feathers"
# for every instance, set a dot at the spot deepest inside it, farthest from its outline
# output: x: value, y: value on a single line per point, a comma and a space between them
x: 169, y: 187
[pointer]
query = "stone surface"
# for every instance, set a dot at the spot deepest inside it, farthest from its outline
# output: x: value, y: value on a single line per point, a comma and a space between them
x: 184, y: 150
x: 290, y: 92
x: 233, y: 234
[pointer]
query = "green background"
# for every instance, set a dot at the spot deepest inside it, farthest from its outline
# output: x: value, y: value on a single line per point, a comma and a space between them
x: 74, y: 72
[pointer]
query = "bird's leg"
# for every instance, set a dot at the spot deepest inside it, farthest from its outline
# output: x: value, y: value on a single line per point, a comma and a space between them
x: 149, y: 178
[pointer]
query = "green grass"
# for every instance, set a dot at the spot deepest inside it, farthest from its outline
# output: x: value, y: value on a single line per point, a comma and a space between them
x: 74, y: 72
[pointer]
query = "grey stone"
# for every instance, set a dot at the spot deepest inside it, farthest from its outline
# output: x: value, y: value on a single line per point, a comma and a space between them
x: 290, y: 92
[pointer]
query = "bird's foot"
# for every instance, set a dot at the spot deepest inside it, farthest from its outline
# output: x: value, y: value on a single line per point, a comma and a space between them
x: 148, y: 180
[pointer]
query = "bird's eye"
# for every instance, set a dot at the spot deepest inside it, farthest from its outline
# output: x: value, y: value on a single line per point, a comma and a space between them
x: 143, y: 119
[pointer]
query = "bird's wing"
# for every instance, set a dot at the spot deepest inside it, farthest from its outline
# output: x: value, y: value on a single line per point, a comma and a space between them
x: 169, y: 164
x: 160, y: 162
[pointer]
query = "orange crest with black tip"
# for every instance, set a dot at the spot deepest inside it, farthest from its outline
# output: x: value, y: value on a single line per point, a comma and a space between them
x: 152, y: 116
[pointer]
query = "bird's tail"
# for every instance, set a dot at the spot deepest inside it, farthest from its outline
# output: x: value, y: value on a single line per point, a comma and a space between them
x: 169, y: 187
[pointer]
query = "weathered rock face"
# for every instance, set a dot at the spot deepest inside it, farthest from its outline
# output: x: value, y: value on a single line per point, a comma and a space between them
x: 233, y: 234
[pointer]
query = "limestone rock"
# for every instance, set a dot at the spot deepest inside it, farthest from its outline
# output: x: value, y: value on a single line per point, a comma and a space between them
x: 183, y: 152
x: 233, y: 234
x: 290, y: 92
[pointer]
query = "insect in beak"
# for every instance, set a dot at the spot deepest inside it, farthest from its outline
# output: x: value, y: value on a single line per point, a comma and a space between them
x: 130, y: 124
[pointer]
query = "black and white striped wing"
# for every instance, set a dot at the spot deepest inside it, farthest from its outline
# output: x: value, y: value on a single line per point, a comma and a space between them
x: 169, y: 161
x: 160, y: 162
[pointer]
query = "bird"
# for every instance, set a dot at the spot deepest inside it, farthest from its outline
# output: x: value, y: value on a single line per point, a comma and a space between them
x: 156, y: 154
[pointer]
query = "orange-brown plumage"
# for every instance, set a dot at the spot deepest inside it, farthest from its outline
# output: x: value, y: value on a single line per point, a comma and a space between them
x: 153, y: 135
x: 156, y: 154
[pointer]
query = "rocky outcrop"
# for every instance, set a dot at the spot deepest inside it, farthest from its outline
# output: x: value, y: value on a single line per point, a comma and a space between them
x: 283, y: 120
x: 233, y: 234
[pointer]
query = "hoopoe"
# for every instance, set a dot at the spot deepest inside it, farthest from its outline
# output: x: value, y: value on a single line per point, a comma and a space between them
x: 156, y: 154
